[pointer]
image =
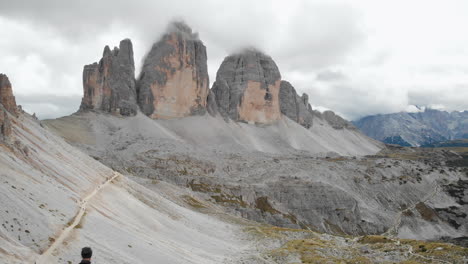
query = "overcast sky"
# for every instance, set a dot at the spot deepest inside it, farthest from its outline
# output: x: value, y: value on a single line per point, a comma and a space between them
x: 354, y: 57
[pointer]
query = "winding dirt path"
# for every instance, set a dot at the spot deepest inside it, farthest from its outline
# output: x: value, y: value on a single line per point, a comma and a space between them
x: 44, y: 258
x: 393, y: 230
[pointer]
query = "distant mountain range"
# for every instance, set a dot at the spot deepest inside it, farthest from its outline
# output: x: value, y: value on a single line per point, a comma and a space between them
x: 424, y: 128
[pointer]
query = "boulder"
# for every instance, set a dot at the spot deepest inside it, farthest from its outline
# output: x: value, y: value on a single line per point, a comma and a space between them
x: 6, y: 95
x: 247, y: 88
x: 174, y: 80
x: 109, y: 85
x: 294, y: 106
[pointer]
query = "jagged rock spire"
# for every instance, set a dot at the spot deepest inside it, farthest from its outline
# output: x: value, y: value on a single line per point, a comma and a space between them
x: 109, y: 85
x: 7, y: 99
x: 174, y: 79
x: 7, y: 106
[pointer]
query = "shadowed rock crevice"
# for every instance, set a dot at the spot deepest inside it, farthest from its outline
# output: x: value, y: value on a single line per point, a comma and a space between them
x: 109, y: 85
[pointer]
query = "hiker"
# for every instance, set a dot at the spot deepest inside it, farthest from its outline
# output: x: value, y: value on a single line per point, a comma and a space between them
x: 86, y: 254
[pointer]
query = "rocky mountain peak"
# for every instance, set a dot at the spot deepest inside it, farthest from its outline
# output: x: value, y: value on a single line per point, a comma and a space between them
x: 109, y: 85
x: 174, y: 80
x: 247, y: 87
x: 7, y: 99
x: 415, y: 128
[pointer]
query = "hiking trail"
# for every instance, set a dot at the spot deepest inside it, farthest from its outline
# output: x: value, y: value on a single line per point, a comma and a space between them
x: 44, y: 257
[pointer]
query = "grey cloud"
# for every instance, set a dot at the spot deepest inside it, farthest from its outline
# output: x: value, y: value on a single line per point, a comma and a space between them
x: 49, y: 106
x: 453, y: 98
x: 319, y: 35
x: 330, y: 75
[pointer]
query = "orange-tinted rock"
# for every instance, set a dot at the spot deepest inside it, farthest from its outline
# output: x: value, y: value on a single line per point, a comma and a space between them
x: 174, y: 79
x: 109, y: 85
x: 6, y: 95
x: 247, y: 88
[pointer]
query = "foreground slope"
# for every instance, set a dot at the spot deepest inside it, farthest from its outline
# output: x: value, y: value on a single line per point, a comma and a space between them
x: 43, y: 182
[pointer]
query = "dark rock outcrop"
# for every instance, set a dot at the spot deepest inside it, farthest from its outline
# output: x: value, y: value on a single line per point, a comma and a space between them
x: 336, y: 121
x: 109, y: 85
x: 7, y: 106
x: 5, y: 125
x: 211, y: 105
x: 6, y: 95
x: 247, y: 87
x: 174, y: 80
x: 294, y: 106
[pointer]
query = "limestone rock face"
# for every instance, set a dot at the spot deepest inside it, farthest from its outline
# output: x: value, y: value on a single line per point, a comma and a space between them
x: 6, y: 95
x: 247, y: 88
x: 109, y: 85
x: 294, y: 106
x: 174, y: 79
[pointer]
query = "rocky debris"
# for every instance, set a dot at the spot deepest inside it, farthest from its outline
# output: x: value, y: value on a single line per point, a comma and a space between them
x: 247, y: 87
x: 457, y: 215
x: 174, y: 80
x: 6, y: 95
x: 109, y: 85
x: 336, y: 121
x: 294, y: 106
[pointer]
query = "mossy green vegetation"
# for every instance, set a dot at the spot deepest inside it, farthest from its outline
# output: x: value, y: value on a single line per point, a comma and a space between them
x: 374, y: 239
x: 438, y: 251
x: 323, y: 248
x: 229, y: 199
x: 193, y: 202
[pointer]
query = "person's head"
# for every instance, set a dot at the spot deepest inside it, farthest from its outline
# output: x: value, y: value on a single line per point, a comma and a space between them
x: 86, y: 253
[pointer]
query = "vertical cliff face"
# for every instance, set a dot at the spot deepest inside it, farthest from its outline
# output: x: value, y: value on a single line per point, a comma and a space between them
x: 174, y: 79
x: 7, y: 106
x: 247, y: 88
x: 294, y: 106
x: 109, y: 85
x: 6, y: 95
